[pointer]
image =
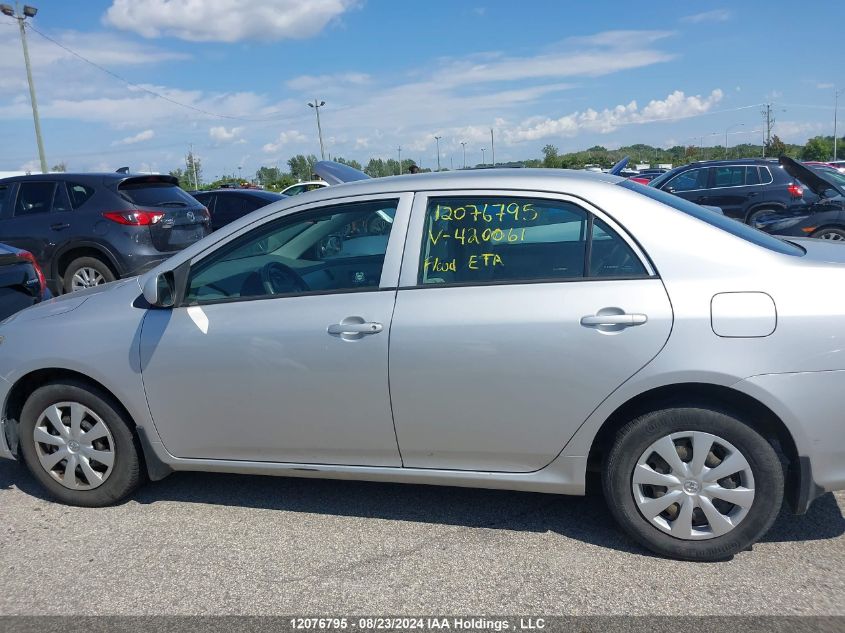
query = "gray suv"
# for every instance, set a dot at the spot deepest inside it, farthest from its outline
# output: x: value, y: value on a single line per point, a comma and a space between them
x: 88, y: 229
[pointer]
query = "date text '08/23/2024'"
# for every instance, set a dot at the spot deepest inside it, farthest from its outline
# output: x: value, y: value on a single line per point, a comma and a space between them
x: 484, y: 214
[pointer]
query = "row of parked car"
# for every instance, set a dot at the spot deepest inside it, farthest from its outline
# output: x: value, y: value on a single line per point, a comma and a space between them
x: 67, y: 232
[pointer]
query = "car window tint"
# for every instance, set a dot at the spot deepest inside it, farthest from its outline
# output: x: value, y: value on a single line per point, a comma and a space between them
x: 335, y: 248
x: 34, y: 197
x: 61, y: 201
x: 765, y: 176
x: 4, y: 196
x: 728, y: 176
x: 79, y: 194
x: 752, y: 176
x: 295, y: 190
x: 202, y: 198
x: 156, y: 194
x: 230, y: 205
x: 688, y: 180
x: 610, y: 255
x: 489, y: 239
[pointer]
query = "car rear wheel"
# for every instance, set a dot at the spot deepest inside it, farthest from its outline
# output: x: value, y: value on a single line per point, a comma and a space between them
x: 78, y: 444
x: 86, y: 272
x: 836, y: 235
x: 693, y: 483
x: 757, y: 214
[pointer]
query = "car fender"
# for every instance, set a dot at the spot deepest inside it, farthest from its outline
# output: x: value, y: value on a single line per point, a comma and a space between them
x: 94, y: 244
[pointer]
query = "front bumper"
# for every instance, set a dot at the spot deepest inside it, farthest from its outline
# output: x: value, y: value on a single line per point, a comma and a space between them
x: 6, y: 441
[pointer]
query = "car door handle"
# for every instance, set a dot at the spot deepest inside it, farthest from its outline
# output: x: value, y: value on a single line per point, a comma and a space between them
x: 367, y: 327
x: 625, y: 320
x: 59, y: 226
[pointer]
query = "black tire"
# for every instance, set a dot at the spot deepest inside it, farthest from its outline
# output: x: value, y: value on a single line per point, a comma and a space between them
x: 126, y: 474
x: 86, y: 262
x: 758, y: 213
x: 635, y: 438
x: 830, y: 233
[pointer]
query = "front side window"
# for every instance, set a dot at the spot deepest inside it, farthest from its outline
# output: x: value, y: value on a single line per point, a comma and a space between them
x: 688, y: 181
x: 4, y: 197
x: 34, y: 197
x: 337, y: 248
x: 483, y: 239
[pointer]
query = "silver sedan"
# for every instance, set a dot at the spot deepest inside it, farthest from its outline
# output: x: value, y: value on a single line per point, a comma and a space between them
x: 512, y: 329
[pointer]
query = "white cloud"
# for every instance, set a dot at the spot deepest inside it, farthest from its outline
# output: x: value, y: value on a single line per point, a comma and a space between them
x: 311, y: 82
x: 225, y: 20
x: 285, y: 139
x: 824, y: 86
x: 797, y: 131
x: 220, y: 134
x: 675, y: 106
x: 716, y: 15
x: 146, y: 135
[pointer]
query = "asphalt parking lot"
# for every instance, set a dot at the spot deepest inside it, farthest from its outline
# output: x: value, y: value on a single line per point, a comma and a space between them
x: 231, y: 544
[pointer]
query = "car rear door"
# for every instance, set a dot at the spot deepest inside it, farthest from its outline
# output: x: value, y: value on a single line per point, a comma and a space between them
x: 517, y: 314
x: 28, y: 222
x: 734, y: 189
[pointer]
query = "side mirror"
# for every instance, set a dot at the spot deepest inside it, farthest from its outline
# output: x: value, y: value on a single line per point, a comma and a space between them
x: 159, y: 291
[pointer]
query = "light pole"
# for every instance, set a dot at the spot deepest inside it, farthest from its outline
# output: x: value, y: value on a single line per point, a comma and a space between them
x: 437, y: 139
x: 399, y: 149
x: 240, y: 178
x: 464, y: 146
x: 29, y: 12
x: 317, y: 105
x: 492, y: 149
x: 482, y: 155
x: 730, y: 127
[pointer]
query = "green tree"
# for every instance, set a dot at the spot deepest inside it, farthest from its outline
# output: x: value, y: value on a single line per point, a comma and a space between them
x: 184, y: 181
x: 301, y: 166
x: 193, y: 170
x: 550, y: 156
x: 352, y: 163
x: 59, y: 167
x: 775, y: 147
x: 817, y: 148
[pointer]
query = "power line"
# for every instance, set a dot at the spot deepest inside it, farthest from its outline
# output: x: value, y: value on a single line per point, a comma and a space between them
x: 153, y: 93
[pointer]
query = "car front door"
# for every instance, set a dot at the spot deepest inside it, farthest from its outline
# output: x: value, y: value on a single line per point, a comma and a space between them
x: 28, y: 222
x: 517, y: 314
x: 690, y: 184
x: 279, y: 352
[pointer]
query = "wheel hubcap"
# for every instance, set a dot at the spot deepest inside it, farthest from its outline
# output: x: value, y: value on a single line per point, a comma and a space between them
x: 831, y: 236
x: 86, y: 278
x: 693, y: 485
x: 74, y: 446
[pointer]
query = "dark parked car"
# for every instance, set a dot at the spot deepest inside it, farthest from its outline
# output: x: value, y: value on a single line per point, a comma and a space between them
x: 88, y: 229
x: 824, y: 219
x: 744, y: 189
x: 227, y: 205
x: 22, y: 283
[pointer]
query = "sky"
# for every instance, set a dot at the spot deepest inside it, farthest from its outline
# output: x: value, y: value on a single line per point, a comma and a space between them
x: 139, y: 82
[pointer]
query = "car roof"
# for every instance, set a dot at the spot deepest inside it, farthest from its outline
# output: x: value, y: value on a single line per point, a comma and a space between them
x: 309, y: 182
x: 83, y: 177
x: 735, y: 161
x: 258, y: 193
x: 529, y: 179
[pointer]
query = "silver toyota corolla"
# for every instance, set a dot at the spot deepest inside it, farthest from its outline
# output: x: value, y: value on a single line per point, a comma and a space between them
x: 511, y: 329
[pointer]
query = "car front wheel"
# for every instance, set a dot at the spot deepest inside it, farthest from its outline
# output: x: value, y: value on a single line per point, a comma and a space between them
x: 693, y: 483
x: 836, y: 235
x: 86, y: 272
x: 78, y: 444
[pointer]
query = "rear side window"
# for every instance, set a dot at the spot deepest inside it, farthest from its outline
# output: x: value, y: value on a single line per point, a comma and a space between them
x: 34, y: 198
x: 4, y: 197
x: 765, y: 176
x: 509, y: 239
x: 79, y: 194
x: 156, y: 194
x: 752, y: 176
x: 728, y: 176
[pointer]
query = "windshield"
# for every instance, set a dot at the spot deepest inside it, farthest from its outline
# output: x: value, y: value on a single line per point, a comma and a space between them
x: 829, y: 173
x: 156, y: 194
x: 730, y: 225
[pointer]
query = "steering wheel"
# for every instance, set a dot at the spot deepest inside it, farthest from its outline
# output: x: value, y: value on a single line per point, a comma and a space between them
x: 278, y: 279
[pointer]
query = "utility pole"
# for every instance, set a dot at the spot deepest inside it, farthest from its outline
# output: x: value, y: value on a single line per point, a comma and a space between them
x: 464, y: 146
x: 482, y: 155
x: 492, y: 148
x: 317, y: 105
x: 399, y: 149
x: 28, y: 12
x: 769, y: 118
x: 437, y: 139
x: 193, y: 165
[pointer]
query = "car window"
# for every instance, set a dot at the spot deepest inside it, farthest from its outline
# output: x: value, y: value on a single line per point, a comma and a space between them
x: 4, y: 196
x: 203, y: 198
x: 482, y: 239
x: 61, y: 201
x: 765, y: 176
x: 156, y: 194
x: 296, y: 189
x: 610, y: 255
x: 336, y: 248
x: 230, y: 205
x: 728, y: 176
x: 34, y: 197
x: 723, y: 222
x: 79, y: 194
x: 752, y: 176
x: 688, y: 180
